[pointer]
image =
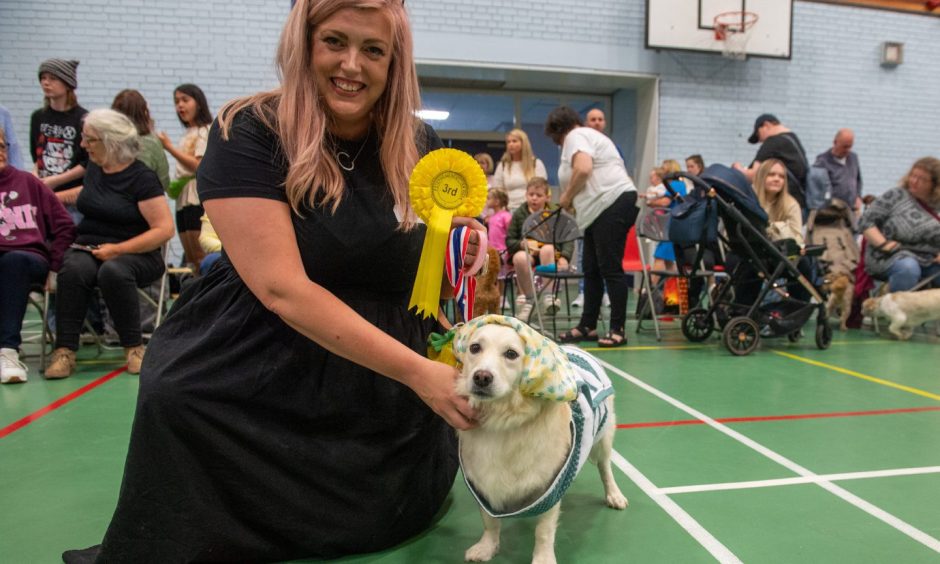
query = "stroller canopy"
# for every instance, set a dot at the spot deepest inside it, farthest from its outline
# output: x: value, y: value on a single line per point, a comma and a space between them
x: 734, y: 188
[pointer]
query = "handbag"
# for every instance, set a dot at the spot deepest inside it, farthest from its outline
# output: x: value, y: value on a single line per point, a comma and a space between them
x: 694, y: 220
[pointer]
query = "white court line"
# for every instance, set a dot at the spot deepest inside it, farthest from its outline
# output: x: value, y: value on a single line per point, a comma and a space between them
x: 874, y: 511
x: 710, y: 543
x: 800, y: 480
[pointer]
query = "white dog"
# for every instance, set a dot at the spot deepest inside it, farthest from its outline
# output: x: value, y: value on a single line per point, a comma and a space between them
x: 906, y: 310
x: 528, y: 446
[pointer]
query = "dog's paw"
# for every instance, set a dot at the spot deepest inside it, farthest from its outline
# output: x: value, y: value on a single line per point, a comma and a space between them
x: 617, y: 500
x: 481, y: 552
x: 544, y: 558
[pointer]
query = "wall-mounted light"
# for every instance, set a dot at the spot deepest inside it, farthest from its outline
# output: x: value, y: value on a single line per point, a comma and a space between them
x: 892, y: 54
x: 433, y: 115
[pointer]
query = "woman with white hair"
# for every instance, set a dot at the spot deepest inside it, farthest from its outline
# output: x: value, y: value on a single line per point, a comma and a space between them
x: 126, y: 220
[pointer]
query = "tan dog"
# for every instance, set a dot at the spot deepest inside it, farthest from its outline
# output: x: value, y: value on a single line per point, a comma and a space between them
x: 514, y: 461
x: 906, y: 310
x: 488, y: 298
x: 841, y: 290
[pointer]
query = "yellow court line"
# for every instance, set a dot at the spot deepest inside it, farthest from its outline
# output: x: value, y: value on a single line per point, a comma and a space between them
x: 887, y: 383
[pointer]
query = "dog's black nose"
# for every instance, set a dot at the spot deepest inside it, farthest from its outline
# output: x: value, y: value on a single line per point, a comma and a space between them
x: 482, y: 378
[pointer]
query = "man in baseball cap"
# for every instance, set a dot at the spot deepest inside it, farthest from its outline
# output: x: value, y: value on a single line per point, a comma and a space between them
x: 778, y: 142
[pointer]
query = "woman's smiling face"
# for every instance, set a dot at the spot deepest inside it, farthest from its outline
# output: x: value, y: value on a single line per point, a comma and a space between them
x: 352, y: 51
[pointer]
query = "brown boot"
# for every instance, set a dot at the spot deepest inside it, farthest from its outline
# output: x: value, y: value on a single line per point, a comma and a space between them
x: 61, y: 364
x: 135, y: 357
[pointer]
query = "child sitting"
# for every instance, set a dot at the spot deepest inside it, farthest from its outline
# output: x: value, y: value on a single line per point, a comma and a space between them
x: 658, y: 196
x: 527, y: 252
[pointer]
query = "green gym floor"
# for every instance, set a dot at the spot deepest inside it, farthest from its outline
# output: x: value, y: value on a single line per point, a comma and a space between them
x: 791, y: 454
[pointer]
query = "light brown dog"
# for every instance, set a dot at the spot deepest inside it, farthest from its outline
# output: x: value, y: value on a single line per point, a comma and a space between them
x: 906, y: 310
x: 841, y: 290
x: 488, y: 297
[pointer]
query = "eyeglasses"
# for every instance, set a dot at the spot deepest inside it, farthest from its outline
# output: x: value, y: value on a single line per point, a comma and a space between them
x: 91, y: 139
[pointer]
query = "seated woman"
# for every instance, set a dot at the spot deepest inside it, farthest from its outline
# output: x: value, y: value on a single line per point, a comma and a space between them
x: 785, y: 221
x: 902, y: 229
x: 35, y: 231
x: 526, y: 252
x: 126, y: 220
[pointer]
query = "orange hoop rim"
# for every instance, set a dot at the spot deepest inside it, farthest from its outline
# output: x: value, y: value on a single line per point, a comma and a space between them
x: 737, y: 21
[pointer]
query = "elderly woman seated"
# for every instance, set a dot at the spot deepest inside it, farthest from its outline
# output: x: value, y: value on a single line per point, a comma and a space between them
x: 126, y: 221
x: 35, y: 231
x: 902, y: 228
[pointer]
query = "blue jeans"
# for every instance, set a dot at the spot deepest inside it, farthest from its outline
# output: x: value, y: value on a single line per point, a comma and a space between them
x: 19, y: 270
x: 905, y: 272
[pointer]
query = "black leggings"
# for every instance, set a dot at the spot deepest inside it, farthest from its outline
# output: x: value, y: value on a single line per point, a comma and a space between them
x: 118, y: 279
x: 604, y: 242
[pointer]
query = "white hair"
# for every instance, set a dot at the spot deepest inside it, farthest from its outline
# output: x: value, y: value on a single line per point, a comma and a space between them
x: 118, y: 134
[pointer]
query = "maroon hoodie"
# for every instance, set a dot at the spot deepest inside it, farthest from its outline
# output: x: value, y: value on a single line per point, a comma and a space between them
x: 32, y: 219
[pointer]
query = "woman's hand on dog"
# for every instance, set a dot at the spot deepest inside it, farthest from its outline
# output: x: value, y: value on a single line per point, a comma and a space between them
x: 435, y: 384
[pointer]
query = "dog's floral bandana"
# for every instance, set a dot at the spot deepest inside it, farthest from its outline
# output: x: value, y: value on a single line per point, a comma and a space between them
x: 546, y: 372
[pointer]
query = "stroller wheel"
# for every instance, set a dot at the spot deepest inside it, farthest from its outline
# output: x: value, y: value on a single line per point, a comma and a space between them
x: 697, y: 325
x: 794, y: 336
x: 823, y: 335
x: 741, y: 336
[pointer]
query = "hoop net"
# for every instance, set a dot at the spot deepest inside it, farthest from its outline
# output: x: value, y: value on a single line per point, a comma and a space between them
x: 734, y: 29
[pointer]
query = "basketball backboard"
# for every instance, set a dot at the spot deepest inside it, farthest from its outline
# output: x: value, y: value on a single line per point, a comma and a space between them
x: 688, y: 25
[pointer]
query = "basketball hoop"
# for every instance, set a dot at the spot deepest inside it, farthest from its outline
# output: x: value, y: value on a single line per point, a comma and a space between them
x: 733, y: 29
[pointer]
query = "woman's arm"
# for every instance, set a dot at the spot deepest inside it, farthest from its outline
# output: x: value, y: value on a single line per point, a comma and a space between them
x: 189, y: 161
x: 57, y: 180
x: 582, y: 165
x: 157, y: 213
x: 268, y: 260
x: 70, y: 196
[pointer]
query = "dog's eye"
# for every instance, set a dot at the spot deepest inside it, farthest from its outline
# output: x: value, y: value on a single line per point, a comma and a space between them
x: 511, y: 354
x: 475, y: 348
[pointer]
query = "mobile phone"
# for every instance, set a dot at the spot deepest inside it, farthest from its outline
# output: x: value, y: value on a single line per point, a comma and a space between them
x: 86, y: 248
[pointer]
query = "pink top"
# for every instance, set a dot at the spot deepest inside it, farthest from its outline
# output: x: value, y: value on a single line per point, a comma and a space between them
x: 497, y: 226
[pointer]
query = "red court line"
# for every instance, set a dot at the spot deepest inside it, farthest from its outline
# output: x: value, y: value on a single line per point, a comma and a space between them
x: 777, y: 417
x: 17, y: 425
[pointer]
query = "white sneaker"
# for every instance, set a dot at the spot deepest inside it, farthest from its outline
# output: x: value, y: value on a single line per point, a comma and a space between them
x: 524, y: 312
x: 606, y: 301
x: 551, y: 304
x: 579, y: 301
x: 12, y: 371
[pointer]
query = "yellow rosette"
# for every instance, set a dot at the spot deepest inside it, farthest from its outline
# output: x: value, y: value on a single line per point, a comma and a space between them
x: 445, y: 183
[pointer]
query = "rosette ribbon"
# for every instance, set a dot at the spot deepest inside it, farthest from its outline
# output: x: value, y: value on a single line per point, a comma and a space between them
x: 460, y: 278
x: 445, y: 183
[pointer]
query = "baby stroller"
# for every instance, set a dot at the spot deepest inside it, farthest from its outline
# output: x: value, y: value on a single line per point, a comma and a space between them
x: 775, y: 311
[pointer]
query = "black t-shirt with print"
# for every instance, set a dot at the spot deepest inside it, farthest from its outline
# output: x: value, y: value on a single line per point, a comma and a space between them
x: 55, y: 142
x: 109, y: 203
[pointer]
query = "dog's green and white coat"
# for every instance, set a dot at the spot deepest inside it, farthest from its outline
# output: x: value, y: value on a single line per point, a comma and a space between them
x: 558, y: 373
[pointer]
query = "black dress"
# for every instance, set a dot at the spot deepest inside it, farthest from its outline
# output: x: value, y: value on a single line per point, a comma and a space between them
x: 253, y: 443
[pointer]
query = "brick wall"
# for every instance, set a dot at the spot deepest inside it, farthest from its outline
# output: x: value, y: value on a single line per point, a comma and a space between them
x: 707, y: 104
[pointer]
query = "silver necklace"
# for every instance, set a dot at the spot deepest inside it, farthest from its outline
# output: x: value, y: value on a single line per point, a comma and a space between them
x: 342, y: 157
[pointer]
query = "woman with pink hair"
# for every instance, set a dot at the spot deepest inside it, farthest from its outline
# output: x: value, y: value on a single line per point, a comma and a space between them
x: 286, y: 407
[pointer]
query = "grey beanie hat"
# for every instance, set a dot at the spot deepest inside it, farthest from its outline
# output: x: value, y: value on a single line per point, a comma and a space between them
x: 61, y: 69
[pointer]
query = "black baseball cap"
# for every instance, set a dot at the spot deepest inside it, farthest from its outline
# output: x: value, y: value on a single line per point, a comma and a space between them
x: 761, y: 120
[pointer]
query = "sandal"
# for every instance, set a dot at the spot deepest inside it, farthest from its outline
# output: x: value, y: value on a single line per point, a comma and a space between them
x: 578, y: 334
x: 612, y: 339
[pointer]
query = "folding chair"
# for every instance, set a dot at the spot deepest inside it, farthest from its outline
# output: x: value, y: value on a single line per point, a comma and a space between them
x: 39, y: 332
x: 552, y: 228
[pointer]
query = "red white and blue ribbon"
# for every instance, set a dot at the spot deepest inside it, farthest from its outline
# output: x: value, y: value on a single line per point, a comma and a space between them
x: 462, y: 280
